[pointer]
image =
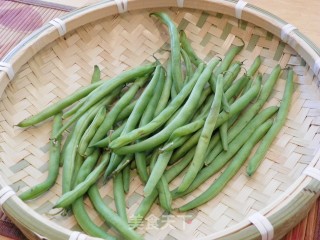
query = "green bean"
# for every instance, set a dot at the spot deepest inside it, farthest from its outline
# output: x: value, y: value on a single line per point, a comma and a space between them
x: 157, y: 172
x: 175, y: 49
x: 237, y: 87
x: 187, y: 145
x: 252, y: 70
x: 204, y: 104
x: 225, y: 63
x: 96, y: 76
x: 200, y: 109
x: 229, y: 57
x: 254, y: 66
x: 147, y: 202
x: 77, y: 166
x: 184, y: 115
x: 147, y: 116
x: 78, y: 207
x: 165, y: 199
x: 141, y: 166
x: 231, y: 169
x: 68, y: 198
x: 87, y: 166
x: 225, y: 104
x: 119, y: 196
x: 68, y: 113
x: 223, y: 131
x: 115, y: 162
x: 187, y: 129
x: 124, y: 114
x: 110, y: 216
x: 242, y: 82
x: 173, y: 92
x: 70, y: 151
x: 58, y: 106
x: 266, y: 142
x: 64, y: 145
x: 185, y: 44
x: 86, y: 223
x: 69, y: 154
x: 225, y: 156
x: 53, y: 168
x: 110, y: 137
x: 235, y: 108
x: 202, y: 146
x: 173, y: 144
x: 188, y: 65
x: 126, y: 178
x: 180, y: 135
x: 111, y: 117
x: 187, y: 142
x: 231, y: 74
x: 106, y: 88
x: 90, y: 131
x: 228, y: 78
x: 240, y: 103
x: 162, y: 117
x: 165, y: 95
x: 122, y: 165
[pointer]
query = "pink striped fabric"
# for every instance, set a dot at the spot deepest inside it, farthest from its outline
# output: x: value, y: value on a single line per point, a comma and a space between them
x: 20, y: 18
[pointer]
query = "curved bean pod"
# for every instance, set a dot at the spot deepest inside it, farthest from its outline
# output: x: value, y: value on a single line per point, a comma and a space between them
x: 53, y: 168
x: 266, y: 142
x: 175, y: 49
x: 110, y: 216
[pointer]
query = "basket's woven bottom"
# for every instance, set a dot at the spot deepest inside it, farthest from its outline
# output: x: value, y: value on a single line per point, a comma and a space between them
x: 66, y: 64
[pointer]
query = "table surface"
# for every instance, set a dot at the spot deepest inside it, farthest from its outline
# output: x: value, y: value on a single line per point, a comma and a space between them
x: 303, y: 14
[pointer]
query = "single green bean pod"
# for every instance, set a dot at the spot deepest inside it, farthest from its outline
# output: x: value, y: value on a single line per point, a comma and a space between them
x: 53, y: 168
x: 279, y: 122
x: 175, y: 49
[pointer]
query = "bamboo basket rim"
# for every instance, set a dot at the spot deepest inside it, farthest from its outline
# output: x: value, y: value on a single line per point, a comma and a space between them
x: 28, y: 47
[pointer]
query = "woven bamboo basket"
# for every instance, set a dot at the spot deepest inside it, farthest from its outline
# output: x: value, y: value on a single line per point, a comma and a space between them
x: 118, y: 35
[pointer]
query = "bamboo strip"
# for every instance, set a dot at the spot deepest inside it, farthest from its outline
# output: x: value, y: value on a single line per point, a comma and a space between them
x: 295, y: 194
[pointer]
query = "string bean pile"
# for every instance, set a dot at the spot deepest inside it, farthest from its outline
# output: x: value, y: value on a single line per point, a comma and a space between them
x: 183, y: 117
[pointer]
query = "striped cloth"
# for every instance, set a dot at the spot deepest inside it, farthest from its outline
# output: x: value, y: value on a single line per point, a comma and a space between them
x: 20, y: 18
